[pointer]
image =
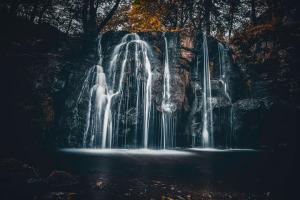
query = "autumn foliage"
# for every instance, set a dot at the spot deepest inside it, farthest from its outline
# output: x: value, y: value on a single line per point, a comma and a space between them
x: 145, y: 16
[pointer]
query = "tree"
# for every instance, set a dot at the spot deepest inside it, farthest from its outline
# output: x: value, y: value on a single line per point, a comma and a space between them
x: 141, y: 20
x: 34, y: 10
x: 45, y: 6
x: 253, y: 12
x: 233, y: 10
x: 89, y: 16
x: 207, y: 15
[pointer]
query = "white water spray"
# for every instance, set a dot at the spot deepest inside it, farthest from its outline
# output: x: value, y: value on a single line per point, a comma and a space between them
x: 207, y: 130
x: 105, y: 98
x: 168, y: 125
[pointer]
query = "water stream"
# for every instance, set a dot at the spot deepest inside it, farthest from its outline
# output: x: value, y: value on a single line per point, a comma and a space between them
x: 207, y: 130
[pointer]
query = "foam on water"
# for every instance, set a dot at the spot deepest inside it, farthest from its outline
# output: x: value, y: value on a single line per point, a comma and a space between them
x: 125, y: 152
x: 222, y: 150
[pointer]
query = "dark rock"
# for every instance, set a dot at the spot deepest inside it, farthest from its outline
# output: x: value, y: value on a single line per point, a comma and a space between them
x: 247, y: 105
x: 247, y: 117
x: 61, y: 179
x: 59, y: 196
x: 13, y: 170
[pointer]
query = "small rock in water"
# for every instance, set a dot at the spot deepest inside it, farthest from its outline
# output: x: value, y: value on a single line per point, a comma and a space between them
x: 99, y: 184
x: 268, y: 193
x: 59, y: 196
x: 71, y: 196
x: 34, y: 180
x: 207, y: 195
x: 166, y: 198
x: 180, y: 197
x: 127, y: 194
x: 54, y: 195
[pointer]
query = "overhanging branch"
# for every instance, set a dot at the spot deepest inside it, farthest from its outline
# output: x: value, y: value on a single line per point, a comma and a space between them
x: 109, y: 16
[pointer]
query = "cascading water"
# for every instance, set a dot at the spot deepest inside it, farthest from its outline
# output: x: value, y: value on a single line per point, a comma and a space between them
x: 168, y: 125
x: 207, y: 130
x: 120, y: 96
x: 217, y: 116
x: 224, y: 64
x: 143, y: 66
x: 106, y: 99
x: 98, y: 100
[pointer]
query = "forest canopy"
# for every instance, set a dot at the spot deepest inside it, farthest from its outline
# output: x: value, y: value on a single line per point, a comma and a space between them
x: 220, y: 18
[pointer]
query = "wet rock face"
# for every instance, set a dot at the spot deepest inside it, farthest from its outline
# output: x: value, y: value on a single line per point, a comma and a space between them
x: 75, y: 117
x: 247, y: 114
x: 263, y: 122
x: 238, y: 120
x: 186, y: 87
x: 248, y: 105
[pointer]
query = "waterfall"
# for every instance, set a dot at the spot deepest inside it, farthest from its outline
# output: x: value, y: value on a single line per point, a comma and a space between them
x: 224, y: 64
x: 106, y: 108
x: 207, y: 130
x: 118, y: 101
x: 98, y: 102
x: 168, y: 125
x: 148, y: 96
x: 142, y: 50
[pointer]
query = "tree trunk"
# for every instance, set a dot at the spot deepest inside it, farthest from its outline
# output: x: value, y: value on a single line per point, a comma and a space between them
x: 207, y: 7
x: 34, y: 11
x: 191, y: 12
x: 72, y: 17
x: 69, y: 25
x: 89, y: 15
x: 109, y: 16
x: 253, y: 12
x: 89, y: 22
x: 14, y: 7
x: 232, y: 10
x: 45, y: 7
x: 84, y: 16
x: 92, y: 17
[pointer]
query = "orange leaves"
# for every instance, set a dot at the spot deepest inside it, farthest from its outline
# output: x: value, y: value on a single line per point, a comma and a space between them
x: 259, y: 29
x: 145, y: 16
x: 141, y: 20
